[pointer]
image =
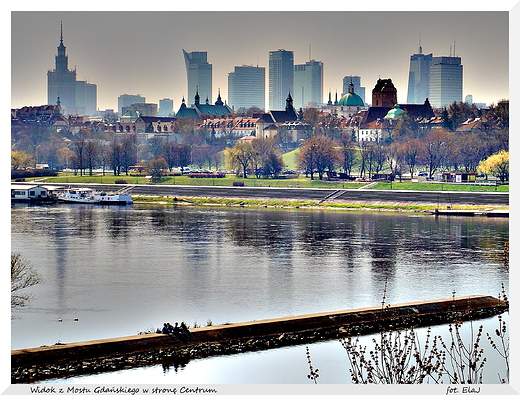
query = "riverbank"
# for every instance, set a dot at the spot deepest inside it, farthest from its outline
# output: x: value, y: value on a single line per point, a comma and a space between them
x: 316, y: 205
x: 62, y: 360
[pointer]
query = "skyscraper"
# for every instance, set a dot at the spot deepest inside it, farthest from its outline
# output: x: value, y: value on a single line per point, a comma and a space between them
x: 419, y: 77
x: 308, y: 83
x: 199, y: 73
x: 61, y: 82
x: 445, y: 81
x: 281, y: 77
x: 246, y: 87
x: 126, y: 100
x: 165, y: 107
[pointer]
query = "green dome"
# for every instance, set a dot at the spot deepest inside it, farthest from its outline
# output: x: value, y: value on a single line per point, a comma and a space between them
x: 351, y: 99
x: 396, y: 112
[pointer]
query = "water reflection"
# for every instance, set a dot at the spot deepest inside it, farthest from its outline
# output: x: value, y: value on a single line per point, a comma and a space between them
x: 124, y: 269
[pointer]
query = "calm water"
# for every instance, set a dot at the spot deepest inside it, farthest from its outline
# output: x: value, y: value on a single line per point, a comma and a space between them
x: 115, y: 271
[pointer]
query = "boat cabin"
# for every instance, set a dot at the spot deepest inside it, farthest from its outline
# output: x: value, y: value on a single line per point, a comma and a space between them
x: 28, y: 193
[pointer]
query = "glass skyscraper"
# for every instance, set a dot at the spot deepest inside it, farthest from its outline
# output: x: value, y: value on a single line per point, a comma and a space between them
x: 308, y: 84
x: 199, y: 73
x: 281, y: 78
x: 246, y: 87
x: 445, y: 81
x: 419, y: 78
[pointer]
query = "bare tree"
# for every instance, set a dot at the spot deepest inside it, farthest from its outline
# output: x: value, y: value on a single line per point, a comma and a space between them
x: 23, y: 275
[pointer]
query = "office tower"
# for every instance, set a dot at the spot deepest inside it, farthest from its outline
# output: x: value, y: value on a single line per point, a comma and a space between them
x: 281, y: 77
x: 308, y: 84
x: 165, y: 107
x: 445, y: 81
x: 61, y: 82
x: 127, y: 100
x: 356, y: 81
x: 199, y: 73
x: 246, y: 87
x: 419, y: 77
x: 86, y: 98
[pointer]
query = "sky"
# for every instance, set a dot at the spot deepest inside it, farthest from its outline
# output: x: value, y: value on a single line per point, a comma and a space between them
x: 138, y: 52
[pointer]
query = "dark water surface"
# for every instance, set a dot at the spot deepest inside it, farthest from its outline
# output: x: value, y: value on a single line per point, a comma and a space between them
x: 116, y: 271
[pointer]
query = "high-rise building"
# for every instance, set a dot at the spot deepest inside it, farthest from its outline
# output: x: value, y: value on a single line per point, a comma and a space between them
x: 165, y: 107
x: 199, y: 73
x: 126, y: 100
x: 419, y: 77
x: 74, y: 97
x: 61, y: 82
x: 356, y: 81
x: 281, y: 77
x: 445, y: 81
x: 246, y: 87
x: 86, y: 98
x: 308, y: 84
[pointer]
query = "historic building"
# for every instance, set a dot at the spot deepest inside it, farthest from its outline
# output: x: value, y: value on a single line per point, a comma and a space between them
x: 349, y: 104
x: 384, y: 93
x: 61, y: 82
x: 202, y: 111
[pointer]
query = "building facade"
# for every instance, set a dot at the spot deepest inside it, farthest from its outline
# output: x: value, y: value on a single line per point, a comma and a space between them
x: 200, y: 75
x: 308, y: 84
x: 281, y: 77
x: 419, y: 77
x: 246, y: 87
x: 446, y: 73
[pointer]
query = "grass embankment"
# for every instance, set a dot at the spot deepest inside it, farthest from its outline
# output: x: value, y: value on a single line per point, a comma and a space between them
x: 298, y: 204
x: 299, y: 182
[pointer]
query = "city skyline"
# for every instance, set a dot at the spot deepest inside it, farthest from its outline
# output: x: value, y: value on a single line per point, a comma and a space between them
x: 109, y: 50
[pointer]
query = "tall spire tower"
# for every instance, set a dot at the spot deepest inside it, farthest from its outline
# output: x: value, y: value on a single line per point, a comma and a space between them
x: 61, y: 82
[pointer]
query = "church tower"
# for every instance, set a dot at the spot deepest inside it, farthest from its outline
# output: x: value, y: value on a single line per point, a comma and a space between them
x: 384, y: 93
x: 61, y: 82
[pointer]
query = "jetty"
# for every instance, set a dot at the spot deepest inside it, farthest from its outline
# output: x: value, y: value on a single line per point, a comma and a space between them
x: 88, y: 357
x: 472, y: 213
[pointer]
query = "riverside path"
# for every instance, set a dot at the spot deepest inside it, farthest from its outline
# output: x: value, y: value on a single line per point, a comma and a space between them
x: 369, y: 196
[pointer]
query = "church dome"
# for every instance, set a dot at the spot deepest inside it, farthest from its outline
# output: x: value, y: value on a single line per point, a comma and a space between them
x: 351, y: 99
x: 396, y: 113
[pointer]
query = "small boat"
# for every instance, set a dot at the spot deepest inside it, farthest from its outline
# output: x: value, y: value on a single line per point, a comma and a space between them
x: 92, y: 196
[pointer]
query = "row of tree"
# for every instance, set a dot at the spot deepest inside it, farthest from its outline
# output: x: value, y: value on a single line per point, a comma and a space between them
x: 439, y: 150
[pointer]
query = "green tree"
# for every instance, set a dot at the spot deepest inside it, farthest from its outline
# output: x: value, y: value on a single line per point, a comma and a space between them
x: 241, y: 156
x: 21, y: 159
x: 497, y: 165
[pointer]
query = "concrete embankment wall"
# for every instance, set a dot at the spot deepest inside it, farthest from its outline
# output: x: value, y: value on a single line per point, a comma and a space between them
x: 353, y: 322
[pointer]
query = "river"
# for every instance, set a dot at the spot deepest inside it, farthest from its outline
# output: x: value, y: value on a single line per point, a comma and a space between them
x: 116, y: 271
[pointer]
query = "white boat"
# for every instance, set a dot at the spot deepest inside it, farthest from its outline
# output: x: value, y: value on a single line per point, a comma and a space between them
x: 92, y: 196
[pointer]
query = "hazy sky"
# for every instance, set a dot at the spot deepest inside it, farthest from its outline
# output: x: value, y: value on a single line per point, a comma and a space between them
x: 141, y: 52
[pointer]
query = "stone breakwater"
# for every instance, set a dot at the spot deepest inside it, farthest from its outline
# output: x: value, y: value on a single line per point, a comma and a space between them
x: 74, y: 359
